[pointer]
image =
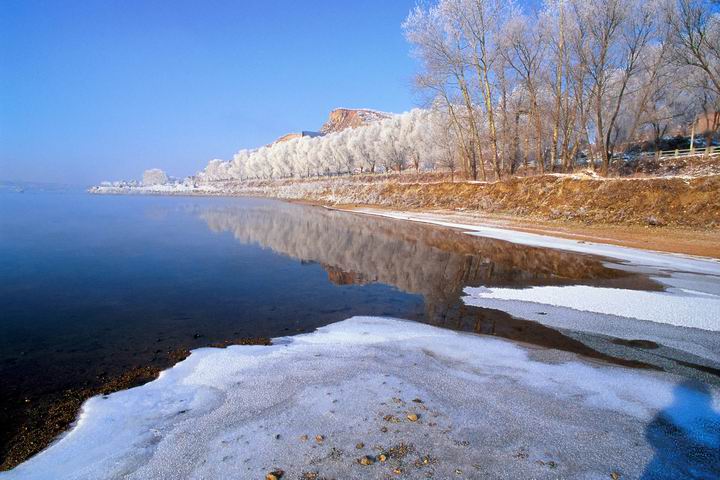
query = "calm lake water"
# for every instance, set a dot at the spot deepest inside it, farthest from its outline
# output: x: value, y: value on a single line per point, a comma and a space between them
x: 93, y: 286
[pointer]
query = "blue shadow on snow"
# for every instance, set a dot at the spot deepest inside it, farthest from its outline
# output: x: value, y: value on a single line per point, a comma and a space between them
x: 685, y: 436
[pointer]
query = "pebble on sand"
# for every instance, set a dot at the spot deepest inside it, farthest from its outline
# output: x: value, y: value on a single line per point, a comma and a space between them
x: 274, y: 475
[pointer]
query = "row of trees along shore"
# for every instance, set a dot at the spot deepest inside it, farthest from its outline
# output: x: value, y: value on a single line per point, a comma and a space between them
x: 510, y: 90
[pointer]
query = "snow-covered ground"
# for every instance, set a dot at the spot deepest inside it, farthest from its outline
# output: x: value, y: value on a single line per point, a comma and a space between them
x: 680, y: 307
x: 486, y: 408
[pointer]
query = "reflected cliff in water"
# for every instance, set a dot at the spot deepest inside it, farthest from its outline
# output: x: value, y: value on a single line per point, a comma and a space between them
x: 435, y: 262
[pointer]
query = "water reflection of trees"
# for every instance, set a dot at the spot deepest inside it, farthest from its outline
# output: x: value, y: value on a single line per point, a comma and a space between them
x: 416, y: 258
x: 434, y: 262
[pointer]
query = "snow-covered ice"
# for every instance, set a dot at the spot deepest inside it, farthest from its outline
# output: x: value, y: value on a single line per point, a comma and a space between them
x: 678, y: 307
x: 490, y: 409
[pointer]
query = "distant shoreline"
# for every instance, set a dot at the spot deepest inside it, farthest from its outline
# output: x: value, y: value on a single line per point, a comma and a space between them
x: 647, y: 213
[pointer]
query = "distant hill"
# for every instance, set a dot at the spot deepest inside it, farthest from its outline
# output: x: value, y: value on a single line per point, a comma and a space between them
x: 343, y: 118
x: 339, y: 120
x: 290, y: 136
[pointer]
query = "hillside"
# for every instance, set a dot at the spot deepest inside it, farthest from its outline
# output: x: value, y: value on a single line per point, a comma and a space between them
x: 343, y: 118
x: 339, y: 120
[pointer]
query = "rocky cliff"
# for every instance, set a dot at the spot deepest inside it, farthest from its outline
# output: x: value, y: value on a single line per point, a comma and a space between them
x: 339, y: 120
x: 342, y: 118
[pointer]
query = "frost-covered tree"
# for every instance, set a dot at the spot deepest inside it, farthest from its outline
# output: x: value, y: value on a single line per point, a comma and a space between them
x: 556, y: 82
x: 408, y: 139
x: 694, y: 37
x: 521, y: 89
x: 154, y: 176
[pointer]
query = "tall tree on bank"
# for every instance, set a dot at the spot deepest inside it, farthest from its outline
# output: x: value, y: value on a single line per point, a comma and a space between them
x: 694, y: 37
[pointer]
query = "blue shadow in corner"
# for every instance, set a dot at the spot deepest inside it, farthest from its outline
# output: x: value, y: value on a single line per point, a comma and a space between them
x: 685, y: 436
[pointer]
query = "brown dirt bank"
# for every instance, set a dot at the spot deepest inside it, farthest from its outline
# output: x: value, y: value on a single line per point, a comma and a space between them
x: 691, y: 202
x: 671, y: 214
x: 676, y: 202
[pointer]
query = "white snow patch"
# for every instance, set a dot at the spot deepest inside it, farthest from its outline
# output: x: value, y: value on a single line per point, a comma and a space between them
x: 682, y: 308
x: 489, y: 409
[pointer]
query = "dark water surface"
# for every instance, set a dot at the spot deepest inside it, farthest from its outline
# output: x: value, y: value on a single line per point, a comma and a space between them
x: 93, y: 286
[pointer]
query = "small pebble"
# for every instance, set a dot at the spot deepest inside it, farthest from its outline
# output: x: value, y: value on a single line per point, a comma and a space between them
x: 319, y: 438
x: 360, y: 445
x: 365, y: 460
x: 412, y: 417
x: 274, y: 475
x: 382, y: 457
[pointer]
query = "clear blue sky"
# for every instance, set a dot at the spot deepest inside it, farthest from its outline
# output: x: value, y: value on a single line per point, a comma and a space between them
x: 94, y: 90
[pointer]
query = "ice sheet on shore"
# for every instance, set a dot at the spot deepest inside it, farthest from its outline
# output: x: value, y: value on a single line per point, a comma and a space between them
x: 490, y: 408
x: 701, y: 344
x: 681, y: 308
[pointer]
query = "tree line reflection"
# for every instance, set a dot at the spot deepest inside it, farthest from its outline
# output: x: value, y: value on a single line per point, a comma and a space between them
x: 434, y: 262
